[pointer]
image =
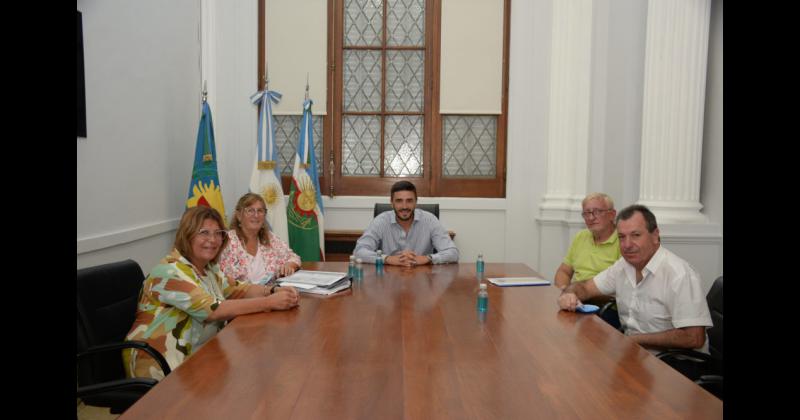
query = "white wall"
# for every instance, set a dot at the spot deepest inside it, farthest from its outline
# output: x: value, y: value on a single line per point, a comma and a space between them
x: 142, y: 110
x: 617, y: 173
x: 528, y: 100
x: 230, y: 66
x: 502, y: 229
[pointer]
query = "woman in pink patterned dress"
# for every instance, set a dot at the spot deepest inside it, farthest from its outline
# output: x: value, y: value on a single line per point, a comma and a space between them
x: 253, y: 253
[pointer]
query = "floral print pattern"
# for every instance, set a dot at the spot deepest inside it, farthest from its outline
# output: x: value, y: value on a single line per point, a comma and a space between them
x: 234, y: 258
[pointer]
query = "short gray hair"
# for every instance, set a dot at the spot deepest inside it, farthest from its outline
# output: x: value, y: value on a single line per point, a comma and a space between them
x: 598, y: 195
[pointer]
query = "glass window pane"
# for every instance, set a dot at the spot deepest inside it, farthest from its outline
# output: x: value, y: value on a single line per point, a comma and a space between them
x: 362, y: 81
x: 405, y: 77
x: 361, y: 147
x: 287, y: 134
x: 363, y: 23
x: 405, y: 22
x: 403, y: 150
x: 470, y: 143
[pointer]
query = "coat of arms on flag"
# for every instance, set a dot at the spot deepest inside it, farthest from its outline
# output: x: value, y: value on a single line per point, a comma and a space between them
x: 305, y: 212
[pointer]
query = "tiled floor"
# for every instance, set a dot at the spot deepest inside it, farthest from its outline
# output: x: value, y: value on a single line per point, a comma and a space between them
x: 87, y: 412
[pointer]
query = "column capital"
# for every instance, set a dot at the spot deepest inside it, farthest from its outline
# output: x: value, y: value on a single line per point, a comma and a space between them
x: 676, y: 211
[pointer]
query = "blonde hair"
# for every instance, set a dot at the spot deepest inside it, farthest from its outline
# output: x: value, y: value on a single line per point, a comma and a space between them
x: 245, y: 201
x: 598, y: 195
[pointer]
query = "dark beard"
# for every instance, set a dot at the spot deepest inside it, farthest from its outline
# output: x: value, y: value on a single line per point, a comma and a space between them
x: 397, y: 215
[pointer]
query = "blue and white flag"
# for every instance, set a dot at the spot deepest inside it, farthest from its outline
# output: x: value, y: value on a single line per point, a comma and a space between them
x: 266, y: 180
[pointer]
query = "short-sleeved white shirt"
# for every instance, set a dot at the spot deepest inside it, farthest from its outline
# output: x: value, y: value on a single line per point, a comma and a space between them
x: 256, y: 269
x: 669, y: 296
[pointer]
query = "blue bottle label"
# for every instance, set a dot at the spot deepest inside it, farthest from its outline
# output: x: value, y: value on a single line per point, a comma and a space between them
x: 483, y: 303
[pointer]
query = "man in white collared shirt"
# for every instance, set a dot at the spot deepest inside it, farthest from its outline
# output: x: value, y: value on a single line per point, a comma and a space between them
x: 659, y: 295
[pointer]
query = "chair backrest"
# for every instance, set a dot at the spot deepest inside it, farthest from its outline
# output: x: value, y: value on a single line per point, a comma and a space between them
x: 382, y: 207
x: 107, y: 297
x: 714, y: 299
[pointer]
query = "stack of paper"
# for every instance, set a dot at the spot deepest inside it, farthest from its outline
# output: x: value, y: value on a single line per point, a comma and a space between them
x: 317, y: 282
x: 519, y: 281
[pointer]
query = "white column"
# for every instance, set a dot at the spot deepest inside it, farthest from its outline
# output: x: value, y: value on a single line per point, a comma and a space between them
x: 672, y: 110
x: 568, y: 139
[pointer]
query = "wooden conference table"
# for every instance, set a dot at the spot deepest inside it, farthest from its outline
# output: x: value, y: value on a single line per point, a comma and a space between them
x: 410, y: 344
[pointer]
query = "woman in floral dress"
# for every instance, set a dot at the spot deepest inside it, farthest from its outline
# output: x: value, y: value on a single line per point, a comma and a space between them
x: 254, y: 254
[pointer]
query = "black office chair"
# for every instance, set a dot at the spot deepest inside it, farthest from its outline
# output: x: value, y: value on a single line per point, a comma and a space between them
x: 107, y: 296
x: 382, y: 207
x: 610, y: 315
x: 704, y: 369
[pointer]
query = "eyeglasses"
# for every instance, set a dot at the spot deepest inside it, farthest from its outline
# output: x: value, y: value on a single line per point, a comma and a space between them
x: 595, y: 213
x: 209, y: 235
x: 251, y: 211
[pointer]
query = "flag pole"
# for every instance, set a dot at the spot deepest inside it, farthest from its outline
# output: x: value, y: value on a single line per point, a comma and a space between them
x: 308, y: 122
x: 266, y: 76
x: 264, y: 104
x: 205, y: 92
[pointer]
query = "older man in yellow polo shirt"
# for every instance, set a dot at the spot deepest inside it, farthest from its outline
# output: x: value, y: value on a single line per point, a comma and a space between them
x: 593, y: 249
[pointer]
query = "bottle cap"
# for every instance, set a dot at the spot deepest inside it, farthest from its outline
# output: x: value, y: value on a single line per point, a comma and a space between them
x: 358, y: 260
x: 483, y: 286
x: 352, y: 258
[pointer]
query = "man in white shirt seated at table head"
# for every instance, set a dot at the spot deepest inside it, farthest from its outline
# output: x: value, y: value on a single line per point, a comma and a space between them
x: 659, y: 295
x: 406, y: 236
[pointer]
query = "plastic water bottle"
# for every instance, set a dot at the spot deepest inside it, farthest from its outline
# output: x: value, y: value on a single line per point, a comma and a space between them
x: 483, y: 298
x: 359, y: 269
x: 479, y: 264
x: 379, y: 260
x: 351, y: 269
